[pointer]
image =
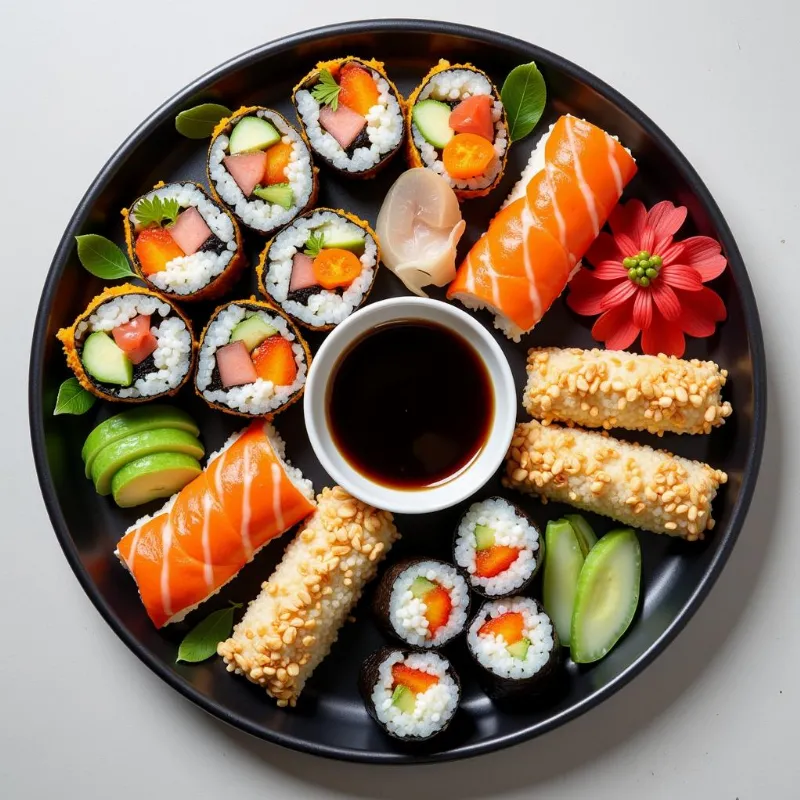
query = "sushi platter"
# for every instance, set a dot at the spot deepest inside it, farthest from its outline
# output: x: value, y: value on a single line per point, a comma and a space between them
x: 397, y: 391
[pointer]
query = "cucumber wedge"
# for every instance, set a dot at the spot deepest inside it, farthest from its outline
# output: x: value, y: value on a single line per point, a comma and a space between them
x: 607, y: 596
x: 583, y: 530
x: 562, y: 566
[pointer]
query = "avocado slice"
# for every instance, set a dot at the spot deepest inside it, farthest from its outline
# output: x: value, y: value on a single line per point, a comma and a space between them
x: 342, y: 239
x: 563, y: 561
x: 116, y: 455
x: 404, y: 699
x: 152, y: 477
x: 432, y: 119
x: 421, y: 586
x: 519, y: 649
x: 583, y: 532
x: 252, y: 331
x: 105, y: 361
x: 252, y: 133
x: 484, y: 537
x: 280, y: 194
x: 137, y: 420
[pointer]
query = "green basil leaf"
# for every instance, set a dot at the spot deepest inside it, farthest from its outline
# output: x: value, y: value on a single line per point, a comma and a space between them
x: 199, y: 122
x: 202, y: 640
x: 524, y: 96
x: 102, y: 257
x: 73, y: 398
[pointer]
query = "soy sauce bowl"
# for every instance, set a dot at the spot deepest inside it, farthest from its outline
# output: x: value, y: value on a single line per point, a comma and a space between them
x: 416, y: 500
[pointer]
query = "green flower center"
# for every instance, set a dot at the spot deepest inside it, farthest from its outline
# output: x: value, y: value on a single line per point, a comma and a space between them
x: 643, y: 268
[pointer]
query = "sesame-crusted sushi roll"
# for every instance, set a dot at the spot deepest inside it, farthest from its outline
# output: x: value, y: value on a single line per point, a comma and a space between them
x: 457, y: 126
x: 631, y: 483
x: 498, y: 548
x: 260, y: 167
x: 130, y: 345
x: 422, y: 602
x: 290, y: 627
x: 252, y: 360
x: 182, y: 243
x: 352, y: 115
x: 615, y: 389
x: 412, y: 695
x: 320, y: 268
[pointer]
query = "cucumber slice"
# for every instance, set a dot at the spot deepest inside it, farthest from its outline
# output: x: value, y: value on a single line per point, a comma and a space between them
x: 342, y: 239
x: 421, y: 586
x: 252, y: 133
x: 519, y: 649
x: 153, y: 477
x: 105, y: 361
x: 252, y: 331
x: 607, y: 596
x: 432, y: 119
x: 404, y: 699
x: 583, y: 531
x: 562, y: 567
x: 280, y: 194
x: 484, y: 537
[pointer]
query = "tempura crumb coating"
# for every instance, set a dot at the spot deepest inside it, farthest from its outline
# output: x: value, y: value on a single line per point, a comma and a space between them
x: 615, y: 389
x: 292, y: 624
x: 632, y: 483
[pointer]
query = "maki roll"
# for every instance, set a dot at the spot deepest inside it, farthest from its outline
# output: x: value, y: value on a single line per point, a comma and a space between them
x: 411, y: 695
x: 320, y: 268
x: 352, y: 115
x: 130, y: 344
x: 515, y: 645
x: 423, y: 602
x: 498, y: 548
x: 253, y: 360
x: 260, y: 167
x: 183, y: 243
x: 457, y: 127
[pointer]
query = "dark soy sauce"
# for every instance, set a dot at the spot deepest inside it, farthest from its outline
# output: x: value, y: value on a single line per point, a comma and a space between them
x: 410, y: 404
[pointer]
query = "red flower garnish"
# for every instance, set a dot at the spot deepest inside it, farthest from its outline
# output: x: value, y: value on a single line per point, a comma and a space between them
x: 644, y: 282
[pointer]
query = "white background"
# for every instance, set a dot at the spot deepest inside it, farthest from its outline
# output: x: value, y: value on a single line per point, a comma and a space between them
x: 714, y: 717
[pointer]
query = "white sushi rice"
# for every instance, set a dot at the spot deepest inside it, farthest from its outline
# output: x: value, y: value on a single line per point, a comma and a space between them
x: 510, y: 530
x: 259, y: 214
x: 491, y: 650
x: 433, y: 708
x: 325, y: 307
x: 173, y: 355
x: 384, y: 129
x: 259, y: 397
x: 188, y: 274
x: 407, y: 613
x: 455, y: 85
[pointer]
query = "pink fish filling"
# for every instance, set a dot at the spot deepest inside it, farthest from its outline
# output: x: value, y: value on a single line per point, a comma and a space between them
x: 246, y: 169
x: 235, y: 365
x: 302, y: 273
x: 344, y: 124
x: 190, y: 231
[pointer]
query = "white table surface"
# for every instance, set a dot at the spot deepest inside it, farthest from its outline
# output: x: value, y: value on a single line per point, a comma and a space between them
x: 714, y: 717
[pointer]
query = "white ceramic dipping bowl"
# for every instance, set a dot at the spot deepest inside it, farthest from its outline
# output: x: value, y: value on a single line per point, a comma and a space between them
x: 463, y: 484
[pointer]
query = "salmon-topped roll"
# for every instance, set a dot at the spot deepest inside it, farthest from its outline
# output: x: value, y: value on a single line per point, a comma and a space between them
x: 247, y: 495
x: 534, y: 245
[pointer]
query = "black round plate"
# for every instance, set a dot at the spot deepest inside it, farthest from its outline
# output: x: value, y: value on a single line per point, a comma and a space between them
x: 330, y: 719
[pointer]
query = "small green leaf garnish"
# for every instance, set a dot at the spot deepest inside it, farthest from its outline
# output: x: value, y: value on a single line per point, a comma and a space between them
x: 199, y: 122
x: 153, y: 210
x: 314, y: 244
x: 202, y: 640
x: 524, y: 95
x: 102, y: 257
x: 327, y: 90
x: 73, y: 398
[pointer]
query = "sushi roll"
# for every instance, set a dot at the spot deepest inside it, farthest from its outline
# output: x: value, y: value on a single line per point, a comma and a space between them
x: 260, y: 167
x: 130, y: 345
x: 422, y: 602
x: 352, y: 115
x: 412, y: 695
x: 457, y: 126
x: 515, y: 645
x: 497, y: 548
x: 320, y: 268
x: 182, y: 243
x: 252, y: 360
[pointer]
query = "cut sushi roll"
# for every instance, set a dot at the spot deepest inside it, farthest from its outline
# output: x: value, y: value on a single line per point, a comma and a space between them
x: 457, y: 127
x: 130, y: 345
x: 498, y: 548
x: 253, y: 360
x: 182, y: 243
x: 320, y: 268
x: 352, y: 115
x: 412, y: 696
x: 260, y: 167
x: 423, y: 602
x: 516, y: 646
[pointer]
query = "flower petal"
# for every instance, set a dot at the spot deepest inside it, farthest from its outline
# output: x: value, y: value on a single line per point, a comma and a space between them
x: 616, y: 327
x: 663, y: 337
x: 609, y: 270
x: 666, y: 301
x: 682, y: 277
x: 700, y: 312
x: 703, y: 254
x: 619, y: 294
x: 628, y: 220
x: 671, y: 253
x: 586, y: 293
x: 642, y: 308
x: 604, y: 248
x: 665, y: 219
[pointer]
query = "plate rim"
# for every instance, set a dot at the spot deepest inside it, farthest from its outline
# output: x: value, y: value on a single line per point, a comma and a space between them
x: 735, y: 262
